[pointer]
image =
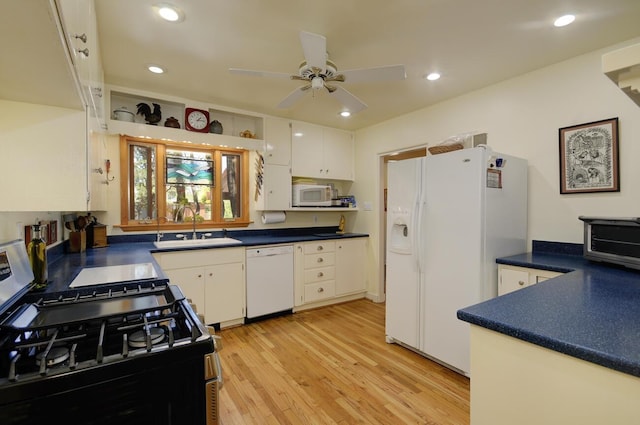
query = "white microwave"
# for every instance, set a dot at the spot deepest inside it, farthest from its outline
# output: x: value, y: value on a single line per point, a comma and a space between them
x: 311, y: 195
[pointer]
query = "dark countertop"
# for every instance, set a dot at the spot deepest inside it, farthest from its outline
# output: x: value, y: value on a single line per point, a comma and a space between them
x: 592, y: 312
x: 131, y: 249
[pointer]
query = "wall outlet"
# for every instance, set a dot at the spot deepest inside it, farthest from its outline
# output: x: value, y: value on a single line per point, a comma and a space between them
x: 20, y: 230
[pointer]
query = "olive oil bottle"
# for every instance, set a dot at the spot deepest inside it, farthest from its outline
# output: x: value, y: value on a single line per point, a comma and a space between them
x: 37, y: 250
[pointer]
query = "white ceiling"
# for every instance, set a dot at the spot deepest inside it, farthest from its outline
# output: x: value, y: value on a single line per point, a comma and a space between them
x: 472, y: 43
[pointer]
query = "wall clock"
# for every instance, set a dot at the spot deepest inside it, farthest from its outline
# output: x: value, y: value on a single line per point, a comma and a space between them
x: 196, y: 120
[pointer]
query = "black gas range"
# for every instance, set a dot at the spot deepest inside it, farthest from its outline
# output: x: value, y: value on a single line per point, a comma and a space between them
x: 125, y: 353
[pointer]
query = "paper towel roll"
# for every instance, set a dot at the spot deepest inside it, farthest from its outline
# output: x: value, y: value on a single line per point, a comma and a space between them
x: 270, y: 217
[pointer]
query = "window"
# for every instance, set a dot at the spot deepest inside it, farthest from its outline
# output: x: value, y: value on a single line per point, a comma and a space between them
x: 172, y: 184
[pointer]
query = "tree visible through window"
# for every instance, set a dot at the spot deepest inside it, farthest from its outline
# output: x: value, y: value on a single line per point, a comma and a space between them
x: 177, y: 184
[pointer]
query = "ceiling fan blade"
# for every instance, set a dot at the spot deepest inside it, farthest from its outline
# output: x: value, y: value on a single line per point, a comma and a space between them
x: 260, y: 73
x: 314, y: 47
x: 337, y: 77
x: 330, y: 88
x: 382, y: 73
x: 294, y: 96
x: 350, y: 101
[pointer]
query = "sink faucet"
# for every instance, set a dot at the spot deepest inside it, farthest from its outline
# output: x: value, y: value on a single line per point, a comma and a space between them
x: 193, y: 215
x: 159, y: 234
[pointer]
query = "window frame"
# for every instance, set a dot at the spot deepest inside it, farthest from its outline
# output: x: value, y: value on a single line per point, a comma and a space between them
x: 127, y: 224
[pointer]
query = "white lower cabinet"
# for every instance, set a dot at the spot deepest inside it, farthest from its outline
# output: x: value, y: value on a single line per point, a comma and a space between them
x: 329, y: 271
x: 214, y: 280
x: 512, y: 278
x: 351, y: 266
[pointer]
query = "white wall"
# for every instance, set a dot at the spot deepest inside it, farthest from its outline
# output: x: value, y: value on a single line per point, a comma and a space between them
x: 522, y: 117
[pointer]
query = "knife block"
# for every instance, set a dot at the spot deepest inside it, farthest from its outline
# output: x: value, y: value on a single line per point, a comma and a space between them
x: 99, y: 235
x: 78, y: 241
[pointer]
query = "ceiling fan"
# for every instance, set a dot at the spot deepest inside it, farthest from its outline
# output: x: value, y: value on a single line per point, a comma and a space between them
x: 318, y: 72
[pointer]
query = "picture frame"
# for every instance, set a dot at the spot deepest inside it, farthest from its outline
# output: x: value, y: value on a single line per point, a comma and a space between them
x: 589, y: 157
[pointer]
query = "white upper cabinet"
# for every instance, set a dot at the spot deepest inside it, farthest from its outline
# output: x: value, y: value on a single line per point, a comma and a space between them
x: 37, y: 68
x: 80, y: 30
x: 275, y: 194
x: 338, y: 154
x: 277, y: 143
x: 48, y: 158
x: 321, y: 152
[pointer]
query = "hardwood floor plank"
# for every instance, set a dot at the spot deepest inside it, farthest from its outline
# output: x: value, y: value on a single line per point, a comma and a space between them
x: 331, y: 365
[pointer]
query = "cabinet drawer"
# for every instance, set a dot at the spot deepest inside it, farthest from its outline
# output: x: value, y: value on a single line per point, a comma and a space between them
x: 319, y: 274
x: 312, y: 261
x: 319, y: 291
x: 318, y: 247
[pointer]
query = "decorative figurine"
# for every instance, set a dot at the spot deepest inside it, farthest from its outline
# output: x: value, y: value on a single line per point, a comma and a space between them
x: 152, y: 118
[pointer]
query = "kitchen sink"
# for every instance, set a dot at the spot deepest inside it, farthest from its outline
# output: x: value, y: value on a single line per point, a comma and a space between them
x: 193, y: 243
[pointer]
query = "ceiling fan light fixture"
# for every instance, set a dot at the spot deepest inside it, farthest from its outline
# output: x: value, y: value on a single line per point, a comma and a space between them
x: 317, y: 83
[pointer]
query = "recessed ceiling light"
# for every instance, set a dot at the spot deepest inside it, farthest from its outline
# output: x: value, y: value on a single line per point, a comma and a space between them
x: 169, y: 12
x: 564, y: 20
x: 298, y: 134
x: 432, y: 76
x: 155, y: 69
x: 345, y: 114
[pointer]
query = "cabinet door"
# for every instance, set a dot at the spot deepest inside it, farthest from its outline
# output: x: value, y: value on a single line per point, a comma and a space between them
x: 277, y: 141
x: 191, y: 283
x: 306, y: 150
x: 224, y: 292
x: 97, y: 172
x: 338, y: 154
x: 537, y: 276
x: 276, y: 187
x: 298, y: 274
x: 511, y: 280
x: 43, y: 176
x: 350, y: 266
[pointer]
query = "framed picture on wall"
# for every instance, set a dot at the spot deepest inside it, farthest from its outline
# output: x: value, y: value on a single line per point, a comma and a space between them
x: 589, y: 157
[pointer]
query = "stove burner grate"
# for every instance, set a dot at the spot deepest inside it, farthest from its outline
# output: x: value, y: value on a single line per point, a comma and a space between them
x: 138, y: 339
x: 55, y: 356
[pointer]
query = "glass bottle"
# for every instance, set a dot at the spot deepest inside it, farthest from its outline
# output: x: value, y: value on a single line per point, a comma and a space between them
x: 37, y: 250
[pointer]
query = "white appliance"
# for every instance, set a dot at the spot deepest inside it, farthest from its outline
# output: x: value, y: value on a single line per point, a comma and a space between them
x: 269, y: 280
x: 311, y: 195
x: 448, y: 217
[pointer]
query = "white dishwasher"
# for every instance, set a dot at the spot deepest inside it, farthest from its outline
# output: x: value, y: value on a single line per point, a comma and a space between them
x: 269, y: 280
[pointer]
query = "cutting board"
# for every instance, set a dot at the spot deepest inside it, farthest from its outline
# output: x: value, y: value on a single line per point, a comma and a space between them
x: 112, y: 274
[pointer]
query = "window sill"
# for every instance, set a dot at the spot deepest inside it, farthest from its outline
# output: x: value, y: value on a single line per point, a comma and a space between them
x: 153, y: 227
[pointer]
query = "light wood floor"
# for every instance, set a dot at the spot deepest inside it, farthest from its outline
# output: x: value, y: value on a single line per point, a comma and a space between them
x: 332, y: 366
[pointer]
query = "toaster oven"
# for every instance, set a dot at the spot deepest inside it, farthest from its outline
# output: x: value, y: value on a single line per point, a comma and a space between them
x: 612, y: 240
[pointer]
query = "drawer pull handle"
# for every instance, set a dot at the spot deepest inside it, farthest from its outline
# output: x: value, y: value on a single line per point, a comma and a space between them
x: 320, y: 289
x: 320, y: 248
x: 199, y: 276
x: 320, y: 259
x: 320, y: 274
x: 521, y: 282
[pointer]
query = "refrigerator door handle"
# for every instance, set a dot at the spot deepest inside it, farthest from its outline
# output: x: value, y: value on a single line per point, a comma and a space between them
x: 418, y: 221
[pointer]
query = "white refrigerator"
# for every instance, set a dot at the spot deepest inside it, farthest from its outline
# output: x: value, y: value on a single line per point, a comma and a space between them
x: 449, y: 216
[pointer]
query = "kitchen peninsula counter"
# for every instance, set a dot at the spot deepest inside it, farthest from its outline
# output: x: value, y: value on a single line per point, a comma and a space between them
x: 565, y: 350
